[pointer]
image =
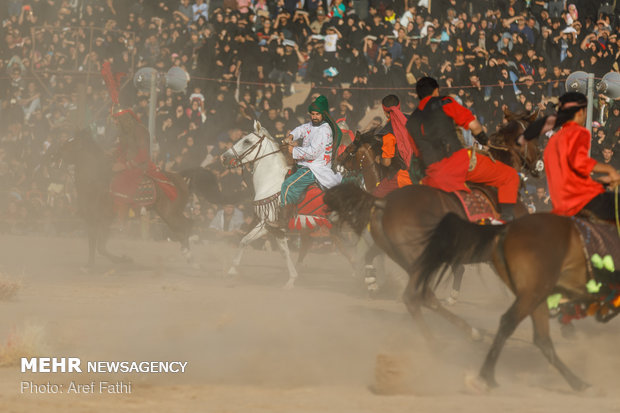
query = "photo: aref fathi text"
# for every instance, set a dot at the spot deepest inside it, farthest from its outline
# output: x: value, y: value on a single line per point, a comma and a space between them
x: 101, y: 387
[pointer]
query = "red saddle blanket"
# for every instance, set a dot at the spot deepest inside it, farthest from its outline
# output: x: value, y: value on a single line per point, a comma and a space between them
x: 311, y: 211
x: 137, y: 188
x: 598, y: 238
x: 478, y: 204
x: 146, y: 194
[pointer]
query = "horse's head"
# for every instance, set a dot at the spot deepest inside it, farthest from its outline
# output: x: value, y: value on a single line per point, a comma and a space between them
x: 355, y: 156
x: 348, y: 159
x: 70, y: 150
x: 249, y: 148
x: 509, y: 145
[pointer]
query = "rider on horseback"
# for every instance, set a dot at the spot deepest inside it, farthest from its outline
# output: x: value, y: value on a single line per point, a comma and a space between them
x: 398, y: 146
x: 569, y: 165
x: 448, y: 164
x: 132, y: 161
x: 312, y: 145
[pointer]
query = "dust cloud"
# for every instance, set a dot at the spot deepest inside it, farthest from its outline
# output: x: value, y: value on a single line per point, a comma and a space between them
x: 253, y: 347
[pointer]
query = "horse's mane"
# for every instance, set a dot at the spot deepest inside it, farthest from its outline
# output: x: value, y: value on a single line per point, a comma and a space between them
x: 352, y: 204
x: 507, y: 134
x: 370, y: 136
x: 510, y: 127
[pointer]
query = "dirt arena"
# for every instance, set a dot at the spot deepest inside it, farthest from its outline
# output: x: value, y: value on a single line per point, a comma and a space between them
x: 253, y: 347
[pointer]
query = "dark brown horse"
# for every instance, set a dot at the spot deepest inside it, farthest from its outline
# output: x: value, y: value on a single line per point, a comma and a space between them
x: 93, y: 173
x: 359, y: 157
x: 535, y: 256
x: 400, y: 223
x: 506, y: 145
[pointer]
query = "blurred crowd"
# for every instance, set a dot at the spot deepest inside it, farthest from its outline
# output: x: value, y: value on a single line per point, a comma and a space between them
x: 245, y: 59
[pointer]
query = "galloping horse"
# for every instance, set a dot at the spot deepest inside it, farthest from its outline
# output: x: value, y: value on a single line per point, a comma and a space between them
x: 400, y: 223
x: 262, y: 153
x: 535, y: 256
x: 506, y: 146
x: 93, y: 174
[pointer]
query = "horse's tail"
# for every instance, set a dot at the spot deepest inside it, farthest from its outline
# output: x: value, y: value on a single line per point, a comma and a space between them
x: 204, y: 183
x: 352, y: 204
x: 454, y: 241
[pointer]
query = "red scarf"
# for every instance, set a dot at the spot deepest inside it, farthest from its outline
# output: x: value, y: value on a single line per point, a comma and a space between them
x: 404, y: 141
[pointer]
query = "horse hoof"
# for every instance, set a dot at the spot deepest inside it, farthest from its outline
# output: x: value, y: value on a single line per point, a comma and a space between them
x: 232, y: 272
x: 289, y: 285
x: 476, y: 385
x: 586, y: 389
x: 449, y: 301
x: 475, y: 334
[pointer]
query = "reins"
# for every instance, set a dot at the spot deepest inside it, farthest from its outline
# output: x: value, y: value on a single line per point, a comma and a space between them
x: 239, y: 158
x: 617, y: 214
x: 525, y: 165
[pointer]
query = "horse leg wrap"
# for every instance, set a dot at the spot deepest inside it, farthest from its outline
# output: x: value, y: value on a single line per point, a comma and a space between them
x: 370, y: 277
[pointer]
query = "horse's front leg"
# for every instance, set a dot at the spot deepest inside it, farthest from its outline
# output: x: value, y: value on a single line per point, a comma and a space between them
x: 412, y: 300
x: 370, y: 271
x: 103, y: 232
x: 542, y: 339
x: 258, y: 231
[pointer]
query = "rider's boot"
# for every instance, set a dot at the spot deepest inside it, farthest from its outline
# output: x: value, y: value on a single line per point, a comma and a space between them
x: 507, y: 214
x: 284, y: 215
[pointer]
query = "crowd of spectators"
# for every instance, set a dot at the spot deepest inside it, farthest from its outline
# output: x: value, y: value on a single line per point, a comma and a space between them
x: 245, y: 57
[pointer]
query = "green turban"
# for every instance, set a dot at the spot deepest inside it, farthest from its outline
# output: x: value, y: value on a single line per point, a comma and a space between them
x: 320, y: 105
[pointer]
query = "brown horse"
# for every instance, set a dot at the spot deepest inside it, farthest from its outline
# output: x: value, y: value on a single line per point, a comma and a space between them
x: 93, y: 174
x: 400, y: 223
x: 506, y: 145
x: 359, y: 158
x: 535, y: 256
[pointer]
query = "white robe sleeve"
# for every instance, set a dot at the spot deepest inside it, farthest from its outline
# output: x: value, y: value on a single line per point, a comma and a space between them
x: 310, y: 152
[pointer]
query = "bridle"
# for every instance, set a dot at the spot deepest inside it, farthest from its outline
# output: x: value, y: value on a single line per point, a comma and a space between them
x: 535, y: 167
x: 364, y: 159
x: 239, y: 158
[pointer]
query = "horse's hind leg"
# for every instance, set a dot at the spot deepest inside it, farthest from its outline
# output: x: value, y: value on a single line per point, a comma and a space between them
x: 292, y: 272
x: 179, y: 224
x: 304, y: 247
x: 457, y: 273
x: 542, y: 339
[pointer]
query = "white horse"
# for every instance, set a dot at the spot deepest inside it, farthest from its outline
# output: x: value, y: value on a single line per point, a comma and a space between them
x: 262, y: 154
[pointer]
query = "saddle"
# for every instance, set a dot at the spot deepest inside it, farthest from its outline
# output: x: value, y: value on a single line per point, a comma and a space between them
x: 480, y: 204
x: 598, y: 238
x: 146, y: 193
x: 311, y: 211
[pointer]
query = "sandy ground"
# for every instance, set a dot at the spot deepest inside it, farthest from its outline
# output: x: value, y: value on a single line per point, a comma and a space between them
x: 253, y: 347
